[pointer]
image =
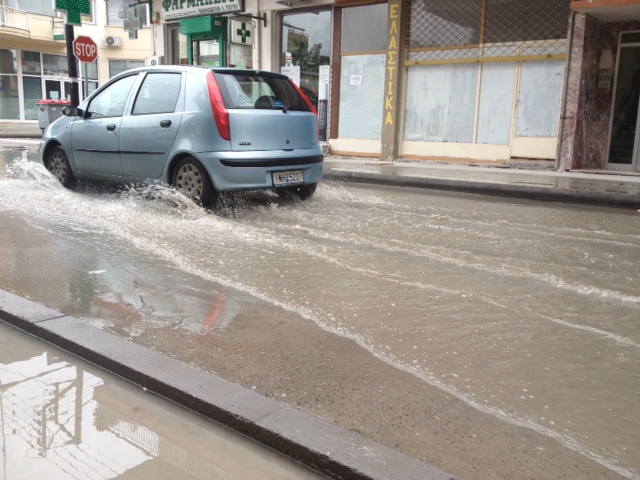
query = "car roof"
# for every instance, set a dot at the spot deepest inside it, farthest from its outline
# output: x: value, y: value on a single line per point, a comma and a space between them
x: 185, y: 68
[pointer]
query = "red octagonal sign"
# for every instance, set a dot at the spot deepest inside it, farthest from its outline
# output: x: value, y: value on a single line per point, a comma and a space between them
x: 85, y: 49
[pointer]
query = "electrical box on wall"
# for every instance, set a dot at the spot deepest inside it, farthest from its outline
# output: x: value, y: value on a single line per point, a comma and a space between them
x: 111, y: 41
x: 153, y: 61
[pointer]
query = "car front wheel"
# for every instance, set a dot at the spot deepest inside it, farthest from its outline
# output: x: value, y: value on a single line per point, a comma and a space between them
x: 192, y: 180
x: 58, y: 164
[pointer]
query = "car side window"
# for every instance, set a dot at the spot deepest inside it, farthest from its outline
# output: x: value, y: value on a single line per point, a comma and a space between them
x: 110, y: 101
x: 158, y: 94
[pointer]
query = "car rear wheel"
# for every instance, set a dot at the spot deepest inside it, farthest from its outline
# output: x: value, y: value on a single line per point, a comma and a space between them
x: 58, y: 164
x: 192, y: 180
x: 303, y: 192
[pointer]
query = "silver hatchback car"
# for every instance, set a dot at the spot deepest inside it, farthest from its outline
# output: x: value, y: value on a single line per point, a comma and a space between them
x: 203, y: 130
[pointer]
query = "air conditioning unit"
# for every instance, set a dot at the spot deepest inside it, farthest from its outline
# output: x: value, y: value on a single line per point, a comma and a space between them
x: 153, y: 61
x: 112, y: 41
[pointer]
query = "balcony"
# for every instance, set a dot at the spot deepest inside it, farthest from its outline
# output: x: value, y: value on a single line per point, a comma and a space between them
x: 37, y: 27
x: 14, y: 21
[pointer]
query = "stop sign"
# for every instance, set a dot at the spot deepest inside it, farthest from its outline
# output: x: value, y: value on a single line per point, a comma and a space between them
x: 85, y: 49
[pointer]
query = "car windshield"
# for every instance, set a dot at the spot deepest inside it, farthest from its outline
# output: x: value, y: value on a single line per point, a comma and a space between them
x: 254, y: 91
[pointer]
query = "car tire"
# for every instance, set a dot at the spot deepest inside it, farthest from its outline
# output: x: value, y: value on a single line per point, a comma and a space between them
x: 190, y: 178
x: 58, y: 164
x: 303, y: 192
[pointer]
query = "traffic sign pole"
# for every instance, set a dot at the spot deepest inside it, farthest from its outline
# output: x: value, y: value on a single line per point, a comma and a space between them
x: 72, y: 64
x: 74, y: 9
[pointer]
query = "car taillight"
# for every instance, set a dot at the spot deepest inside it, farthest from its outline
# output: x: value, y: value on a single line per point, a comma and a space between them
x: 309, y: 104
x: 220, y: 112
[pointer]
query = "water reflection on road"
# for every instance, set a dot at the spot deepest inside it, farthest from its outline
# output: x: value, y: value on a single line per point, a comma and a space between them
x: 61, y: 418
x: 526, y: 312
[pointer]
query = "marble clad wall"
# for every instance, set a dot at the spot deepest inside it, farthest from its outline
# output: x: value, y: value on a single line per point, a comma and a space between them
x: 585, y: 123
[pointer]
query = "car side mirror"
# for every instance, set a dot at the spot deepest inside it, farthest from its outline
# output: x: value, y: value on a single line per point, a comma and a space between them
x: 72, y: 112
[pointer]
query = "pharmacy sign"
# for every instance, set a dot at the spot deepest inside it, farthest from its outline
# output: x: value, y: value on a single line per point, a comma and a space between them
x: 177, y: 9
x: 241, y: 33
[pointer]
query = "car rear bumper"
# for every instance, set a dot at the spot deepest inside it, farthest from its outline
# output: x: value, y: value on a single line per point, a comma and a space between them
x: 271, y: 162
x: 239, y: 171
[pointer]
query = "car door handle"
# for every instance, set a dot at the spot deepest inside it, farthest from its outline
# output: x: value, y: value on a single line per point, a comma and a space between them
x: 111, y: 127
x: 165, y: 123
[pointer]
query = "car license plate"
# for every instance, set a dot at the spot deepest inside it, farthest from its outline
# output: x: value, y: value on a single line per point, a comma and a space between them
x: 291, y: 177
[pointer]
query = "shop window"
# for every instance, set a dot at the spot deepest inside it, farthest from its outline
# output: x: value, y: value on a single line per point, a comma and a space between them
x: 8, y: 61
x: 364, y: 28
x: 31, y: 83
x: 9, y: 106
x: 32, y: 87
x: 119, y: 66
x: 31, y: 63
x: 524, y: 20
x: 496, y: 103
x: 9, y: 97
x: 55, y: 65
x: 477, y: 29
x: 364, y: 39
x: 178, y: 46
x: 362, y: 96
x: 440, y: 103
x: 539, y: 80
x: 89, y: 76
x: 306, y: 43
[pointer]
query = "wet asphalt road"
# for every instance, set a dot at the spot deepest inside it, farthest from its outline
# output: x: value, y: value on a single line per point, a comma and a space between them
x: 490, y: 338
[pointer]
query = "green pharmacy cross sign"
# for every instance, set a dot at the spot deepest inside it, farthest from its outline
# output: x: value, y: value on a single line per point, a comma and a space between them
x: 75, y: 9
x: 243, y: 32
x: 132, y: 24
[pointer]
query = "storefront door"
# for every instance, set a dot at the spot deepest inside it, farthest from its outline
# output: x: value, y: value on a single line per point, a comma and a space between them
x: 56, y: 89
x: 624, y: 140
x: 206, y: 52
x: 306, y: 46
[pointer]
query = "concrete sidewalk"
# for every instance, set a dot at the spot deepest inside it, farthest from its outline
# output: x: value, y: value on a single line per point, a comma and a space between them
x: 604, y: 189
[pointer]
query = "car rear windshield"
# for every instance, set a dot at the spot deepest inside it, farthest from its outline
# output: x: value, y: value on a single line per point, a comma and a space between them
x: 255, y: 91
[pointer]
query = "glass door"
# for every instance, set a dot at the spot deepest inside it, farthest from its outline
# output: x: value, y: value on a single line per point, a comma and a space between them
x: 306, y: 45
x: 206, y: 52
x: 624, y: 139
x: 177, y: 47
x: 55, y: 89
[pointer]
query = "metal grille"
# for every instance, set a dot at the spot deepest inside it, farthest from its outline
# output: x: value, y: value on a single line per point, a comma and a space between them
x: 461, y: 31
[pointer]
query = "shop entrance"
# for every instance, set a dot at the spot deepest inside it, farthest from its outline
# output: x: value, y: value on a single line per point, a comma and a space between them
x: 624, y: 139
x: 206, y: 52
x: 306, y: 45
x: 199, y: 41
x: 56, y: 89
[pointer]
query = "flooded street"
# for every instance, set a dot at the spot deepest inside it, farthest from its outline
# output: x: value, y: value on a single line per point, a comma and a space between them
x: 521, y: 318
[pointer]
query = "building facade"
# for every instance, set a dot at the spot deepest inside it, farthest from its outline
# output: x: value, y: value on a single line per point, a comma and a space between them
x: 33, y: 56
x: 457, y: 80
x: 600, y: 128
